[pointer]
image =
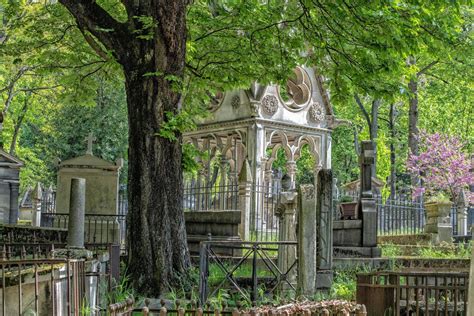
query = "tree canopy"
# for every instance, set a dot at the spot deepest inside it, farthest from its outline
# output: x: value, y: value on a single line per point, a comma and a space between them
x: 144, y: 70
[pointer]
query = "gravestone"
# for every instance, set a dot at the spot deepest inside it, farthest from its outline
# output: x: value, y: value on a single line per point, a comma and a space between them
x: 101, y: 197
x: 9, y: 187
x: 358, y: 237
x: 307, y: 241
x: 30, y: 206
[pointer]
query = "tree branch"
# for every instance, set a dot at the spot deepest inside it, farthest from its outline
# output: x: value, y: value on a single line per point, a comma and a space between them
x: 424, y: 69
x: 364, y: 112
x: 94, y: 45
x: 91, y: 16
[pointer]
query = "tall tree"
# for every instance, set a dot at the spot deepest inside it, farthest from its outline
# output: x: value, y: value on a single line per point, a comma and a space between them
x: 152, y: 63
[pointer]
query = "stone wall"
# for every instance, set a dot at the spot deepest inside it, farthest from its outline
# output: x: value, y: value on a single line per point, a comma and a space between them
x: 26, y: 234
x: 221, y: 225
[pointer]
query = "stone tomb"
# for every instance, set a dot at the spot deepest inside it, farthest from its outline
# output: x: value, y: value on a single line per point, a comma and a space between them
x: 358, y: 237
x: 9, y: 186
x: 101, y: 201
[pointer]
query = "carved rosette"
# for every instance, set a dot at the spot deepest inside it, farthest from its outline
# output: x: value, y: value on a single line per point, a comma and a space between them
x: 270, y: 104
x: 235, y: 102
x: 316, y: 112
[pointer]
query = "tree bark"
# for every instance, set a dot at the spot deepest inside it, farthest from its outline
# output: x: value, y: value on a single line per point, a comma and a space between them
x: 393, y: 167
x: 156, y: 237
x: 374, y: 131
x: 372, y: 123
x: 17, y: 125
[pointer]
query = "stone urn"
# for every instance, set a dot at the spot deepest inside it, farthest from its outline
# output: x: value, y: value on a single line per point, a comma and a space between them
x: 438, y: 220
x: 348, y: 210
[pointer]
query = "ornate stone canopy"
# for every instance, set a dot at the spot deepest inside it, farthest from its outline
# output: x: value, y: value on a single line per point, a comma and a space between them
x: 254, y: 124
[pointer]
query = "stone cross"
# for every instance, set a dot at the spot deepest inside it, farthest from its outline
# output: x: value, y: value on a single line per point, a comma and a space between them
x: 367, y: 160
x: 90, y: 140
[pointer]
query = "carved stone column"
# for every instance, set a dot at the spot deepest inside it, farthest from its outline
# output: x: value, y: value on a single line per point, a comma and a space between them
x: 13, y: 216
x: 291, y: 170
x: 307, y: 241
x: 245, y: 200
x: 287, y: 232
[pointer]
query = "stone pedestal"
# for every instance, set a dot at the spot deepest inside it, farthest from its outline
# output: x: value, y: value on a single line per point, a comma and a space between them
x: 438, y: 221
x: 369, y: 222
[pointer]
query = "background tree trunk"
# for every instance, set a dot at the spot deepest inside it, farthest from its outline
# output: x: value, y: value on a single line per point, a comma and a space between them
x: 393, y: 166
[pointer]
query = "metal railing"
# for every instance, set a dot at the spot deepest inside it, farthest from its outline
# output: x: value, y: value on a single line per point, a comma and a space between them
x: 99, y: 228
x: 399, y: 216
x: 22, y: 281
x: 257, y: 266
x: 413, y: 293
x: 198, y: 196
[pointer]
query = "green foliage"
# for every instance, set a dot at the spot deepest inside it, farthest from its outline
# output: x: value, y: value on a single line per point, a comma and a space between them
x: 447, y: 251
x: 345, y: 282
x: 390, y: 250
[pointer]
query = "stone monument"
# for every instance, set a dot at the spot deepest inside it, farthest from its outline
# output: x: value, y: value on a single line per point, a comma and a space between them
x: 101, y: 193
x: 358, y: 237
x: 9, y: 187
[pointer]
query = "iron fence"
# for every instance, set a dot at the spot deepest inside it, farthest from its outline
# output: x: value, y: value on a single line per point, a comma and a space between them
x: 397, y: 216
x: 61, y: 281
x: 257, y: 266
x: 48, y: 201
x: 201, y: 196
x: 99, y: 228
x: 264, y: 223
x: 413, y: 293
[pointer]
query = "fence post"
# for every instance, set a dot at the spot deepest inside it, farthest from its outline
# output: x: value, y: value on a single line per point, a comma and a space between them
x: 307, y: 243
x: 245, y: 192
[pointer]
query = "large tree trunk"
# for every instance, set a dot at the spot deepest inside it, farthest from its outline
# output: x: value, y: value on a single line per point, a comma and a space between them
x: 158, y: 253
x: 151, y: 48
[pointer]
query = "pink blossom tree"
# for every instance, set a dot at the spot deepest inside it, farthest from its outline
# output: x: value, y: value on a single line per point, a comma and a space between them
x: 442, y: 166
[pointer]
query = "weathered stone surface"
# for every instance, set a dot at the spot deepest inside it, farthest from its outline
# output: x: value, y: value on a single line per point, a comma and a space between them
x: 347, y: 233
x: 9, y: 185
x: 102, y: 184
x: 438, y: 221
x: 470, y: 307
x: 307, y: 241
x: 325, y: 220
x: 369, y: 222
x: 75, y: 236
x: 218, y: 225
x: 286, y: 253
